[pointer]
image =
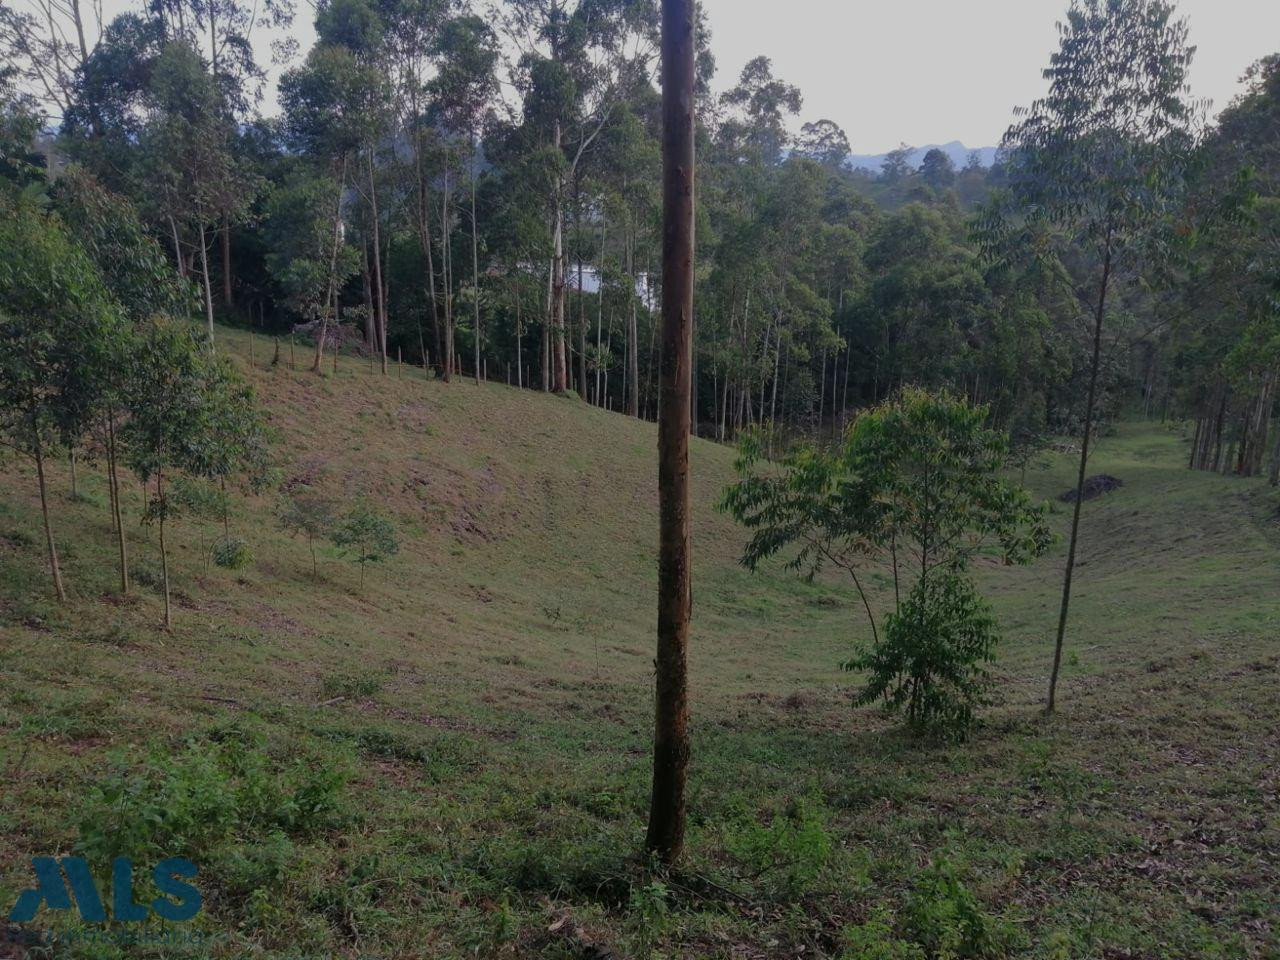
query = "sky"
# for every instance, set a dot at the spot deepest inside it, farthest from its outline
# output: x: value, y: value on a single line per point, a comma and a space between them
x: 932, y: 71
x: 928, y: 71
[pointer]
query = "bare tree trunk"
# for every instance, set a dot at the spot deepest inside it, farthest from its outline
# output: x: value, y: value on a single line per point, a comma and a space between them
x: 164, y: 553
x: 226, y: 261
x: 177, y: 249
x: 599, y: 400
x: 1084, y: 463
x: 208, y: 291
x: 54, y: 569
x: 445, y: 276
x: 332, y: 295
x: 633, y: 334
x: 381, y: 324
x: 113, y: 482
x: 665, y: 837
x: 475, y: 261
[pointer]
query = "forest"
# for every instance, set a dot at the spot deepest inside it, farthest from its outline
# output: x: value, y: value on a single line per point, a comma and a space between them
x: 331, y: 381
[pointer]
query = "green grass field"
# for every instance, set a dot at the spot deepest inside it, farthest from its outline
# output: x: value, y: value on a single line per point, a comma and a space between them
x: 453, y: 761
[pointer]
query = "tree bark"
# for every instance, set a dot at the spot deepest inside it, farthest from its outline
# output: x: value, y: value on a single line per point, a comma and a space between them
x: 332, y: 295
x: 1084, y: 463
x: 55, y: 569
x: 226, y: 262
x: 665, y: 837
x: 475, y: 261
x: 208, y: 291
x: 113, y: 481
x: 164, y: 553
x: 377, y: 267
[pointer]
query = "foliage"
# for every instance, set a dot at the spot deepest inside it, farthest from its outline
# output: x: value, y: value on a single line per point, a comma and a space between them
x: 367, y: 535
x: 915, y: 486
x: 307, y: 513
x: 930, y: 662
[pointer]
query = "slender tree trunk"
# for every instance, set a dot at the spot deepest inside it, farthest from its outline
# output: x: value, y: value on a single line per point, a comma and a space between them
x: 113, y: 482
x: 446, y: 276
x: 633, y: 338
x: 559, y: 361
x: 1084, y: 463
x: 164, y: 553
x: 226, y: 262
x: 55, y: 570
x: 208, y: 291
x: 600, y: 312
x: 665, y: 837
x: 332, y: 295
x: 377, y: 266
x: 424, y: 235
x: 475, y: 261
x: 177, y: 249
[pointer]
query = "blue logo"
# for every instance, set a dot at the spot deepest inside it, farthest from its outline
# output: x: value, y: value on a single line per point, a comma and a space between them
x: 178, y: 901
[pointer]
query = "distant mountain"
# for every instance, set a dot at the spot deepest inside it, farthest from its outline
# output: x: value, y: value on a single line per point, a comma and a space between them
x: 956, y: 150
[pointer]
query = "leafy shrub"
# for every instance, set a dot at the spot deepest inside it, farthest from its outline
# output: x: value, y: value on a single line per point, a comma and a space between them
x: 944, y: 917
x: 232, y: 553
x: 203, y: 798
x: 876, y: 940
x: 793, y: 846
x: 930, y: 660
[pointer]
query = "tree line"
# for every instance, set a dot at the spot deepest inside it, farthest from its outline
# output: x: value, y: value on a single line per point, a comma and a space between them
x: 476, y: 189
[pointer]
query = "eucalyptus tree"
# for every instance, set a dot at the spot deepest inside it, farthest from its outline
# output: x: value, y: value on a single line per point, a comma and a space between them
x: 224, y: 33
x: 189, y: 416
x: 143, y: 284
x: 410, y: 39
x: 464, y: 87
x: 58, y: 331
x: 323, y: 103
x: 196, y: 180
x: 1225, y: 352
x: 576, y: 61
x: 1101, y: 158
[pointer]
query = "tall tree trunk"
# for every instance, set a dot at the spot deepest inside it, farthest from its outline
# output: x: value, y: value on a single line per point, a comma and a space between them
x: 208, y: 291
x: 475, y: 261
x: 331, y: 299
x: 599, y: 399
x: 55, y: 570
x: 665, y: 837
x: 113, y: 482
x: 1084, y: 463
x: 377, y: 266
x: 164, y: 553
x: 633, y: 333
x: 424, y: 237
x: 446, y: 275
x: 226, y: 262
x: 559, y: 361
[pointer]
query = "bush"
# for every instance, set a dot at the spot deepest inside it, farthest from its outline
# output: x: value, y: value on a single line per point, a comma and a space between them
x: 945, y: 918
x: 929, y: 661
x: 232, y: 553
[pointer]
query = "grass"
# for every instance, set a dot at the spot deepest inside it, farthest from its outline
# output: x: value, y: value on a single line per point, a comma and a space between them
x: 453, y: 761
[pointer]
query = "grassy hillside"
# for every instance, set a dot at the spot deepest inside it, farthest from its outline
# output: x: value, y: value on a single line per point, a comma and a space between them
x: 453, y: 760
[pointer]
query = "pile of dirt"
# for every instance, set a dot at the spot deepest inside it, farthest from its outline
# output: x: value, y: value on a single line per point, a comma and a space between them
x: 1093, y: 487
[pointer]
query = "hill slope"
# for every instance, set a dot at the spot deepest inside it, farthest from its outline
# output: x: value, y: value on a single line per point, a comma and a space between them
x: 453, y: 759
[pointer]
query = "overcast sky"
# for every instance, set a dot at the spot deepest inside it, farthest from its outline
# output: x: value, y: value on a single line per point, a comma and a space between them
x: 929, y: 71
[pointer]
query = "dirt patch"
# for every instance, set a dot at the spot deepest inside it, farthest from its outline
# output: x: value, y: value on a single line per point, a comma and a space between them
x: 1094, y: 487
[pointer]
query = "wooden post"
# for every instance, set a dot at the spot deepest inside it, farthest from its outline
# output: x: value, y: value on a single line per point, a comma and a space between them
x: 251, y: 339
x: 399, y: 363
x: 292, y: 364
x: 665, y: 837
